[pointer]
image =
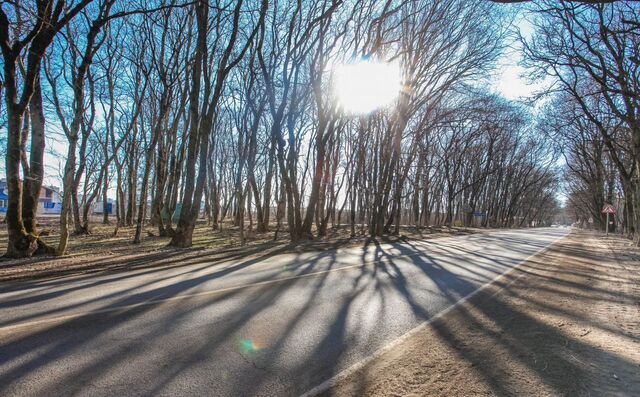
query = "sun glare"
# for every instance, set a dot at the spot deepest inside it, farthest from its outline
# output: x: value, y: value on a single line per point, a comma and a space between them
x: 365, y: 86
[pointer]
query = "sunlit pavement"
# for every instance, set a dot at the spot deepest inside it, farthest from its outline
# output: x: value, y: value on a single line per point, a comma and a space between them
x: 268, y: 326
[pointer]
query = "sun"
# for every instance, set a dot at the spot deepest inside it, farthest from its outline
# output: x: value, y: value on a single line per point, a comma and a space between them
x: 365, y: 86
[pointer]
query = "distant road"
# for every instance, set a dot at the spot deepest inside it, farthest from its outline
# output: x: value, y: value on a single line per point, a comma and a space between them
x: 274, y: 326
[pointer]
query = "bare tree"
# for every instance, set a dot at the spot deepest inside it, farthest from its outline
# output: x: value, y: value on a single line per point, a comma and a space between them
x: 30, y: 41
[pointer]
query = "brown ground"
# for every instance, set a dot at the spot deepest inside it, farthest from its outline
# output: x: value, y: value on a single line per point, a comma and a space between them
x: 566, y: 323
x: 102, y: 251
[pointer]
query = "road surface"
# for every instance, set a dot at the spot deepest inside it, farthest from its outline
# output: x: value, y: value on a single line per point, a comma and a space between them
x: 271, y: 326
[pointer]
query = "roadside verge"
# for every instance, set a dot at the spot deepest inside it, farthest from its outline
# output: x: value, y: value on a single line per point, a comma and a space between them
x: 565, y: 322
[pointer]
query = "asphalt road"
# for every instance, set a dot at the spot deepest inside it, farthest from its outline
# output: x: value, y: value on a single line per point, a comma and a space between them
x: 261, y: 326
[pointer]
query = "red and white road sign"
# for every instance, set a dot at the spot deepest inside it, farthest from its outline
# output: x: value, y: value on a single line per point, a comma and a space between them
x: 608, y: 209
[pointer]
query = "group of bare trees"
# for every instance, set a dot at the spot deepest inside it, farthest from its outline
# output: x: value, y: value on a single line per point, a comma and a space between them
x: 591, y: 52
x: 225, y: 109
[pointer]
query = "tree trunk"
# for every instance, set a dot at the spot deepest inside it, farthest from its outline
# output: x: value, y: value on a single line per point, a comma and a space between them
x: 33, y: 183
x: 266, y: 204
x: 105, y: 201
x: 143, y: 193
x: 67, y: 188
x: 20, y: 244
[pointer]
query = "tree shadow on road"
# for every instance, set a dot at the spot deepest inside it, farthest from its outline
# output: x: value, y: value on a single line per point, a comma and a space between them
x: 289, y: 335
x: 523, y: 352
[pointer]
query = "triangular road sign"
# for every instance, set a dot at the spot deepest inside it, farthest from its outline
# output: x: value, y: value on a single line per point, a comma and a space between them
x: 608, y: 209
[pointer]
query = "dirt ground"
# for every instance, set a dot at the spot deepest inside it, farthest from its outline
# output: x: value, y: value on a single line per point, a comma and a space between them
x: 102, y: 251
x: 566, y: 323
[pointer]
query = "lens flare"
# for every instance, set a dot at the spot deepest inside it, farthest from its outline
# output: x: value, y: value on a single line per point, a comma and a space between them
x: 250, y: 346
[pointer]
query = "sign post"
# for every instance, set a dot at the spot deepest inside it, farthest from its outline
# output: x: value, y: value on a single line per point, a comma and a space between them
x: 608, y: 209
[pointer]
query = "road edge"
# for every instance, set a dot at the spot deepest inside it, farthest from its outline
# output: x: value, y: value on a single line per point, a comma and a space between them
x: 334, y: 380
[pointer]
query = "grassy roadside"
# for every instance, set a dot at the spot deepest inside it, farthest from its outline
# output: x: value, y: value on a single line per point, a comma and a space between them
x: 567, y: 322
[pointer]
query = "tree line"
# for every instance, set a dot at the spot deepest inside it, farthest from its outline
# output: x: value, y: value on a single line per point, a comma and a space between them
x: 225, y: 109
x: 591, y: 54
